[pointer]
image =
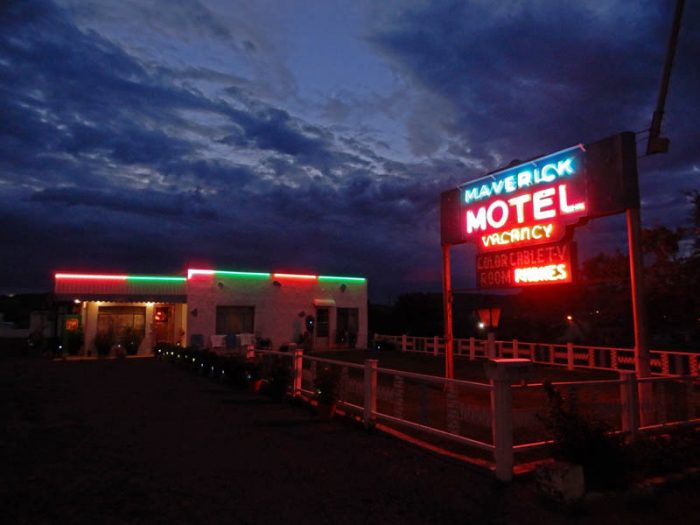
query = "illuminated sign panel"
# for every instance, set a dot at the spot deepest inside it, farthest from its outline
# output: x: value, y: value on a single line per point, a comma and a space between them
x: 550, y: 264
x: 536, y: 201
x: 528, y: 204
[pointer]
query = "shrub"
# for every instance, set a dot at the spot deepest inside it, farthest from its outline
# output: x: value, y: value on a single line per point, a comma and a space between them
x: 326, y: 385
x: 104, y: 341
x: 279, y: 378
x: 585, y: 441
x: 74, y: 340
x: 131, y: 340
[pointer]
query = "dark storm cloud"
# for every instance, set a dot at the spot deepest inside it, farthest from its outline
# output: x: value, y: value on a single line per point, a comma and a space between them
x: 536, y: 78
x: 103, y: 166
x: 144, y: 202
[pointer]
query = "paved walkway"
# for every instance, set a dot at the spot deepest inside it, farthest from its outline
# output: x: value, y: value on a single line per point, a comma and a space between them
x: 141, y: 441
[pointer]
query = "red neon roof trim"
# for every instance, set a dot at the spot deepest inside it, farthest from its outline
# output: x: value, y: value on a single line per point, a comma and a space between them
x: 294, y: 276
x: 91, y: 276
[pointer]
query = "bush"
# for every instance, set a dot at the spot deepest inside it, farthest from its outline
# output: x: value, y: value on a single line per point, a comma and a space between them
x: 672, y: 451
x: 131, y: 340
x: 326, y: 385
x: 279, y: 379
x: 104, y: 342
x: 74, y: 340
x: 585, y: 441
x: 384, y: 346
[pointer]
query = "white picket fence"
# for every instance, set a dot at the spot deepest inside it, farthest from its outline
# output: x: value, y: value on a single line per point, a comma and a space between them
x: 662, y: 362
x: 501, y: 417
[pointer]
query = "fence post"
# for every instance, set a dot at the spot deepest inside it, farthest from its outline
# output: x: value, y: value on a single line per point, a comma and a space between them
x: 436, y: 345
x: 629, y: 402
x: 501, y: 375
x: 370, y: 400
x: 515, y: 349
x: 298, y: 372
x: 491, y: 346
x: 689, y: 397
x: 403, y: 343
x: 570, y: 356
x: 398, y: 396
x: 472, y: 348
x: 452, y: 408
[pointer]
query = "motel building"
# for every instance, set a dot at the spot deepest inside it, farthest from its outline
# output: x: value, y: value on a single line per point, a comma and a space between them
x: 213, y: 309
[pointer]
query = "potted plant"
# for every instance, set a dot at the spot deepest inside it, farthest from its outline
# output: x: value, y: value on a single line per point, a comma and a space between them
x: 104, y: 340
x: 130, y: 340
x: 326, y: 386
x: 74, y: 340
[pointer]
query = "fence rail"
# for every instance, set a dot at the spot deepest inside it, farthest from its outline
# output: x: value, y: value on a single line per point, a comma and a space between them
x: 502, y: 417
x: 662, y: 362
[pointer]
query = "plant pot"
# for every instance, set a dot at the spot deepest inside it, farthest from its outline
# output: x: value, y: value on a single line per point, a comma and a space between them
x: 560, y: 481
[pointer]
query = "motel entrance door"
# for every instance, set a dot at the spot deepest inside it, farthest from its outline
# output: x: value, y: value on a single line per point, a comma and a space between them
x: 347, y: 327
x: 322, y: 331
x: 163, y: 324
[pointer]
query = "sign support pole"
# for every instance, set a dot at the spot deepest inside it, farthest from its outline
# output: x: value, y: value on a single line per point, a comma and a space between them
x: 634, y: 230
x: 447, y: 309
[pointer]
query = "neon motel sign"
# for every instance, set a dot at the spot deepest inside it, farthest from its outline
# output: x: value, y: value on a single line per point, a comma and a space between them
x: 528, y: 204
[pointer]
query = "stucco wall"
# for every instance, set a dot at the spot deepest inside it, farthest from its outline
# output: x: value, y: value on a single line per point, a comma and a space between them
x: 277, y: 308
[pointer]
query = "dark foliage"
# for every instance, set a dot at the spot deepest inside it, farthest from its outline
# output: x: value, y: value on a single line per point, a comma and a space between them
x: 585, y: 441
x: 326, y: 385
x: 104, y: 341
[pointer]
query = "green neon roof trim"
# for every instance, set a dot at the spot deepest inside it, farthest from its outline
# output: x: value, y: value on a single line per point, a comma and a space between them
x: 261, y: 275
x: 155, y: 278
x: 339, y: 278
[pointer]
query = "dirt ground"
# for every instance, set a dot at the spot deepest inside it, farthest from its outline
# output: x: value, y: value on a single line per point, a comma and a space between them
x: 142, y: 441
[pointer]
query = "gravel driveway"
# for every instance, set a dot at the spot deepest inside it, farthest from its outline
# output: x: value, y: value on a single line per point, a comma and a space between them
x: 141, y: 441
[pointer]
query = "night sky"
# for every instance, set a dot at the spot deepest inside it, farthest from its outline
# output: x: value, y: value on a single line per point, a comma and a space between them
x: 145, y: 136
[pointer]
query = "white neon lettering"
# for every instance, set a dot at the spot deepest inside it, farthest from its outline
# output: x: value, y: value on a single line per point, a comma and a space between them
x: 564, y: 205
x: 519, y: 203
x: 476, y: 222
x: 535, y: 274
x: 495, y: 224
x: 542, y: 199
x: 511, y: 183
